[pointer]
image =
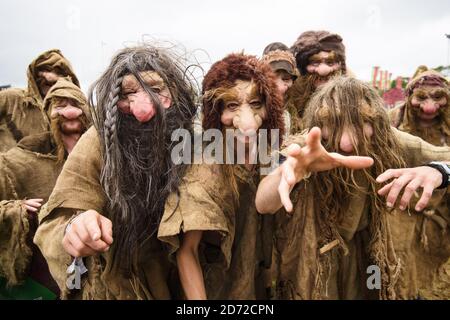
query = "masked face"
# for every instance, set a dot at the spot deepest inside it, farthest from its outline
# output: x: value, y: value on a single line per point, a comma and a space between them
x: 69, y: 116
x: 46, y: 79
x: 135, y: 100
x: 427, y: 103
x: 68, y: 123
x: 243, y: 110
x: 349, y: 139
x: 284, y: 81
x: 323, y: 65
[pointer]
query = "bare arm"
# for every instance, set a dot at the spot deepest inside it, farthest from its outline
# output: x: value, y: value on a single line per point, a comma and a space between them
x: 267, y: 197
x: 189, y: 267
x: 273, y: 191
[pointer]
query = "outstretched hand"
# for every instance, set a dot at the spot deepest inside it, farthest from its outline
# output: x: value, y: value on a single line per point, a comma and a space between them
x: 313, y: 157
x: 409, y: 179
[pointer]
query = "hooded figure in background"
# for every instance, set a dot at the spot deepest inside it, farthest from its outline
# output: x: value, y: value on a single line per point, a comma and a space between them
x: 320, y: 55
x: 426, y: 114
x: 426, y: 111
x: 28, y: 173
x: 21, y: 110
x: 282, y: 62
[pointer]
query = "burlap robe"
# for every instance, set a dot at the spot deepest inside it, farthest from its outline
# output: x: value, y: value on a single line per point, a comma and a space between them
x: 237, y: 241
x: 21, y: 109
x: 28, y: 170
x: 402, y: 118
x: 15, y: 253
x: 411, y: 252
x: 7, y: 140
x: 78, y: 189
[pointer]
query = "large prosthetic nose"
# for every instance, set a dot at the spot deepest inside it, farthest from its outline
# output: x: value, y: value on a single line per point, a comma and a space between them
x: 70, y: 112
x: 324, y: 70
x: 70, y: 115
x: 430, y: 107
x: 49, y: 76
x: 346, y: 144
x: 142, y: 107
x: 247, y: 122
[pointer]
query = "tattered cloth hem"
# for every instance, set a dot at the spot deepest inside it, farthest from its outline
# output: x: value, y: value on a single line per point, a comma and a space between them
x: 15, y: 254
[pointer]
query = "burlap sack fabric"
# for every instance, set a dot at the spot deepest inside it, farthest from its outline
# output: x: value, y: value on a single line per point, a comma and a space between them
x: 78, y: 189
x: 28, y: 170
x: 15, y: 253
x: 236, y: 245
x: 411, y: 253
x: 402, y: 118
x: 21, y: 109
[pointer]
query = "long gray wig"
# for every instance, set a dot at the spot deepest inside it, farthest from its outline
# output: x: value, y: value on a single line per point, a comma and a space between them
x: 137, y: 173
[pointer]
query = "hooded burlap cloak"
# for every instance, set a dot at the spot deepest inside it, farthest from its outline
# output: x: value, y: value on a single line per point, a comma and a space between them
x: 78, y: 189
x: 21, y: 109
x: 26, y: 171
x: 29, y: 171
x: 403, y: 118
x: 409, y: 247
x: 237, y: 241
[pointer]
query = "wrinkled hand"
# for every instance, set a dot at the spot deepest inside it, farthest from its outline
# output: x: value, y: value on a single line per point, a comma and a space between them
x: 313, y: 157
x: 32, y: 205
x: 410, y: 180
x: 89, y: 233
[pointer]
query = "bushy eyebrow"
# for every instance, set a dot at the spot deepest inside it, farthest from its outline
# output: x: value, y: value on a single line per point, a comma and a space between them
x: 58, y: 101
x: 229, y: 95
x: 419, y: 92
x: 438, y: 91
x: 432, y: 92
x: 331, y: 58
x: 153, y: 82
x: 254, y: 93
x: 132, y: 83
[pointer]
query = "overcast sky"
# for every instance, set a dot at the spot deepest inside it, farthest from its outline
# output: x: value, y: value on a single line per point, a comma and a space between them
x: 395, y: 35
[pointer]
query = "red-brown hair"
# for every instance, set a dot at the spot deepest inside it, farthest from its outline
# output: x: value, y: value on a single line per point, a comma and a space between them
x: 238, y: 66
